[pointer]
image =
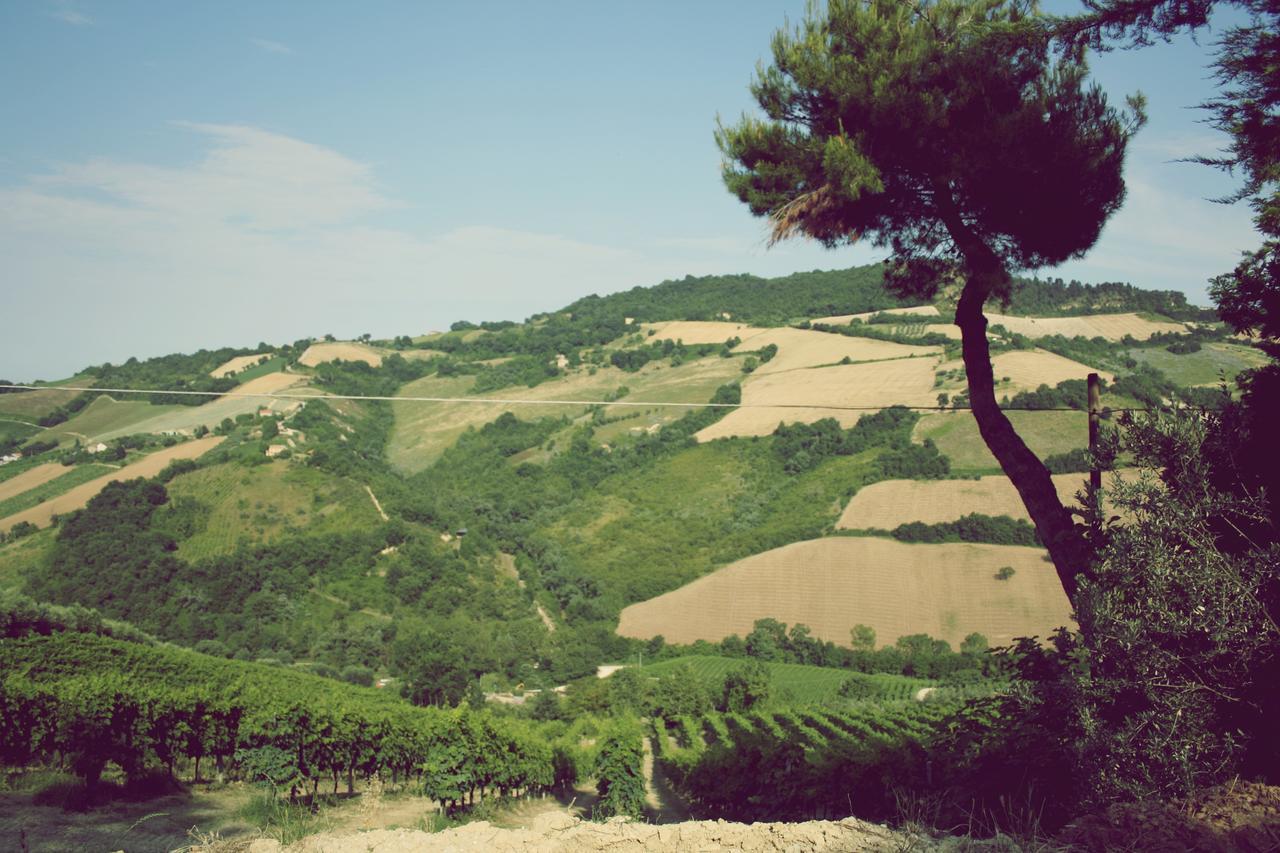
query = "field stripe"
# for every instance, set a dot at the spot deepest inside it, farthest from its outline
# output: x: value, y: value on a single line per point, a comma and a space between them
x: 42, y: 515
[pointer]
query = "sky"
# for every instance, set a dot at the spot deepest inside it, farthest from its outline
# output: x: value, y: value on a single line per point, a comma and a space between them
x: 178, y: 176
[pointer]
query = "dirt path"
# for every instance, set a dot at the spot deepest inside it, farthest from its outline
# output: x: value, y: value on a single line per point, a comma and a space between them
x: 376, y: 505
x: 545, y: 617
x: 662, y: 804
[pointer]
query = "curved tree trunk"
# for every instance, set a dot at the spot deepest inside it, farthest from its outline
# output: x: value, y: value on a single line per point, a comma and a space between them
x: 1024, y: 469
x: 985, y: 274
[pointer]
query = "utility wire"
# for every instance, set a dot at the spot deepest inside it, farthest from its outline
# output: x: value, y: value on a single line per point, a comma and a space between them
x: 276, y: 395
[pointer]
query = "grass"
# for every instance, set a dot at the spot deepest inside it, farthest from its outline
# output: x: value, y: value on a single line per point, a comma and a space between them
x: 270, y: 366
x: 104, y: 416
x: 1046, y: 433
x: 75, y: 476
x: 793, y: 682
x: 31, y: 405
x: 17, y: 557
x: 645, y: 532
x: 265, y: 502
x: 14, y: 429
x: 1213, y: 363
x: 424, y: 430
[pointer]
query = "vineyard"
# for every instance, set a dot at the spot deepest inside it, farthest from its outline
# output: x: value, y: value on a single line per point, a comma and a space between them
x: 90, y: 701
x: 798, y: 683
x: 797, y: 763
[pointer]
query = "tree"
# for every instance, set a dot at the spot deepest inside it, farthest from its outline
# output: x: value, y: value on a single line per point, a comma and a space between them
x: 1247, y: 109
x: 745, y: 687
x: 939, y: 132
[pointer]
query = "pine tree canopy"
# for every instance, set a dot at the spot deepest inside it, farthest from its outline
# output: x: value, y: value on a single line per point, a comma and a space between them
x: 925, y: 126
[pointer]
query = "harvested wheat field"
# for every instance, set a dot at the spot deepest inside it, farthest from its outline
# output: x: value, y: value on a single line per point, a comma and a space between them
x: 699, y: 332
x: 846, y: 319
x: 1027, y: 370
x: 945, y: 591
x: 42, y: 515
x: 29, y: 479
x: 1113, y: 327
x: 340, y: 351
x: 239, y: 401
x: 887, y: 504
x: 798, y: 349
x: 785, y: 397
x: 237, y: 364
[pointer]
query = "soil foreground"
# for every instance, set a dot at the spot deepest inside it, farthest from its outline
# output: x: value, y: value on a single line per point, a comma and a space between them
x: 561, y: 832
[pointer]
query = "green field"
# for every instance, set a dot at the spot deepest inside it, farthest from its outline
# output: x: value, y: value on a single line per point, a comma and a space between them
x: 1210, y: 366
x: 30, y: 405
x: 265, y: 502
x: 29, y: 551
x: 794, y: 682
x: 75, y: 476
x: 16, y: 429
x: 272, y: 365
x: 649, y: 531
x: 102, y: 417
x: 1046, y: 433
x: 424, y: 430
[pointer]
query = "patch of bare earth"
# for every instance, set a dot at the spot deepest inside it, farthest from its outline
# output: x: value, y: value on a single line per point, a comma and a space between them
x: 556, y: 831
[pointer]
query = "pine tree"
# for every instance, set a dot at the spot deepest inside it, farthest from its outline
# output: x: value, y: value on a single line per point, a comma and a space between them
x: 939, y: 131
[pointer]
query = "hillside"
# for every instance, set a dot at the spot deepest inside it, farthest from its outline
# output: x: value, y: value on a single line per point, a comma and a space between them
x: 575, y: 452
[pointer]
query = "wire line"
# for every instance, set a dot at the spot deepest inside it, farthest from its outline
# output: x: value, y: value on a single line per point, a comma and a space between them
x: 277, y: 395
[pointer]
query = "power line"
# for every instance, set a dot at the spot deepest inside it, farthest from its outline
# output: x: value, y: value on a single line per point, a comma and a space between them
x: 277, y: 395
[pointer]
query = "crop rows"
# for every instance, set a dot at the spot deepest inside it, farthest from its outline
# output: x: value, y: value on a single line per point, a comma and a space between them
x: 795, y: 763
x: 98, y: 701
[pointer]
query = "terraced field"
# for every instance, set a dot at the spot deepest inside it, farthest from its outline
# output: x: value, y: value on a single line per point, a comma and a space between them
x: 945, y: 591
x: 1046, y: 433
x: 42, y: 515
x: 262, y: 503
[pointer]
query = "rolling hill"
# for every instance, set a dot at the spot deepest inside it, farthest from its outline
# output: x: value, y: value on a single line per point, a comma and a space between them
x: 566, y: 473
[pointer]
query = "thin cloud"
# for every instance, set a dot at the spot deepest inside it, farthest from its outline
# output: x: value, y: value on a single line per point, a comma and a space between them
x: 72, y: 17
x: 271, y: 46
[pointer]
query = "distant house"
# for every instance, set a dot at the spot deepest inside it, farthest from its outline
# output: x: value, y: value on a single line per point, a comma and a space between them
x: 265, y: 412
x: 276, y: 449
x: 95, y: 448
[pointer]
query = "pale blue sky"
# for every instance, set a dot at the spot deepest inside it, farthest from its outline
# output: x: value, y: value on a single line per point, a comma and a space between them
x: 178, y: 176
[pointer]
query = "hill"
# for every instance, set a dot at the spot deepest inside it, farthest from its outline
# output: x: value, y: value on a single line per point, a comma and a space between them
x: 576, y: 452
